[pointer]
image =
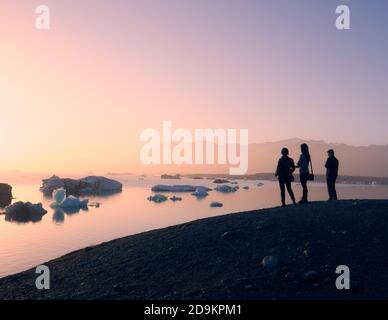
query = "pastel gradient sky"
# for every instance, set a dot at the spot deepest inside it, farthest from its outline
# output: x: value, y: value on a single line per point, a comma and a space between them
x: 76, y: 98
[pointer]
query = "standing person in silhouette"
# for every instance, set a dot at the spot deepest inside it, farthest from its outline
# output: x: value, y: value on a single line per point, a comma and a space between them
x: 284, y: 171
x: 332, y: 165
x: 304, y: 171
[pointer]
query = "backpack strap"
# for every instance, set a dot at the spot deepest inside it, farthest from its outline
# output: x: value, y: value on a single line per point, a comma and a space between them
x: 311, y: 165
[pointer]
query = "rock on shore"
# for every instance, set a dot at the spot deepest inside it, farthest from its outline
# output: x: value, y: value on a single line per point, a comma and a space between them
x: 5, y: 195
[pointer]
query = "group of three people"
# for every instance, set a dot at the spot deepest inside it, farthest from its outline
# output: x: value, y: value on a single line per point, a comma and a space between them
x: 286, y: 168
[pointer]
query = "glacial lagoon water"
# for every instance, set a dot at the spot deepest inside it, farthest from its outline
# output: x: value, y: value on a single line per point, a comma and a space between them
x: 25, y: 245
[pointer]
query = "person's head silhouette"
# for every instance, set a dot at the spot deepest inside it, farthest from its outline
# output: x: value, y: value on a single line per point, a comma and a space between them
x: 304, y: 148
x: 284, y: 152
x: 330, y: 153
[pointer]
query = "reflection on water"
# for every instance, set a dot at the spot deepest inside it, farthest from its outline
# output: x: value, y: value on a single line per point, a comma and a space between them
x: 59, y: 232
x: 60, y: 213
x: 59, y: 216
x: 24, y: 217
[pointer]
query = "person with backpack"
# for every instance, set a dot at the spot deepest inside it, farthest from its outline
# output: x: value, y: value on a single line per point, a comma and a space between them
x: 304, y: 165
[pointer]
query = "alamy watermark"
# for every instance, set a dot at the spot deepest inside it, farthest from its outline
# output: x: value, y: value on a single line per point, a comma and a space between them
x: 343, y: 280
x: 42, y: 21
x: 176, y: 147
x: 343, y: 19
x: 42, y: 282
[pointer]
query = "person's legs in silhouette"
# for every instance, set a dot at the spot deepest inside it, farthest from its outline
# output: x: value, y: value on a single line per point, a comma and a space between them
x: 290, y: 192
x: 303, y: 182
x: 334, y: 190
x: 331, y: 188
x: 282, y: 192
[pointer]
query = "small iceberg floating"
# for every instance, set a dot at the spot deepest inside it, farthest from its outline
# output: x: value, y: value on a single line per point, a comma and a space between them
x: 94, y: 204
x: 62, y: 201
x: 175, y: 198
x: 200, y: 192
x: 216, y: 205
x: 157, y: 198
x: 226, y: 189
x: 176, y: 188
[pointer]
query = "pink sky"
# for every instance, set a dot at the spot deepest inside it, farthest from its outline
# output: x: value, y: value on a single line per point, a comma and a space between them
x: 76, y: 98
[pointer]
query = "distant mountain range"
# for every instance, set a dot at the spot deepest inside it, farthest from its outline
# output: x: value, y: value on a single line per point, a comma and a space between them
x: 367, y: 161
x: 354, y: 161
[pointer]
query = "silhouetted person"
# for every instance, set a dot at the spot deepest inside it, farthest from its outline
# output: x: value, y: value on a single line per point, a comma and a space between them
x: 331, y: 165
x: 284, y: 171
x: 304, y: 171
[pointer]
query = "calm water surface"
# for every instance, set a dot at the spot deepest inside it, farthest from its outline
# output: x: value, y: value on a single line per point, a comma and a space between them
x: 23, y: 246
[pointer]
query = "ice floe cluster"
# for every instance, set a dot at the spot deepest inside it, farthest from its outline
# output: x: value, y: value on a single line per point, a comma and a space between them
x: 198, y: 191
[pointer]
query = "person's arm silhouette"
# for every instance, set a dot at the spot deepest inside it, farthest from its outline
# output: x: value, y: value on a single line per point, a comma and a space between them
x: 292, y: 165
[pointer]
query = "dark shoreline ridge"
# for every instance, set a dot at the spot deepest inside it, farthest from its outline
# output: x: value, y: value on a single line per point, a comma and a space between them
x: 220, y: 258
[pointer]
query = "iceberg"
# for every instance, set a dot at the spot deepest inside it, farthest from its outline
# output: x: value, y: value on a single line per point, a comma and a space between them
x: 220, y: 181
x: 226, y: 189
x: 62, y: 201
x: 167, y: 176
x: 158, y: 198
x: 51, y: 184
x: 216, y: 205
x: 24, y: 212
x: 59, y: 195
x: 87, y: 185
x: 73, y: 202
x: 176, y: 188
x: 200, y: 192
x: 175, y: 198
x: 95, y: 184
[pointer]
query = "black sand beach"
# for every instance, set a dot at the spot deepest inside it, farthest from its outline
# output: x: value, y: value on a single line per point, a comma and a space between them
x: 220, y: 258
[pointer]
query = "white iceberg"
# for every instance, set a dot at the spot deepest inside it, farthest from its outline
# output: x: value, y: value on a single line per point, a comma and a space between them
x: 59, y: 195
x: 226, y: 189
x: 73, y: 202
x: 62, y: 201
